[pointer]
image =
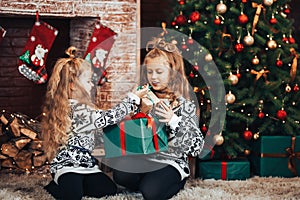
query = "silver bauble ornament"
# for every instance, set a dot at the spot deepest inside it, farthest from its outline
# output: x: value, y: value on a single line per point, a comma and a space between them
x: 221, y: 8
x: 272, y: 44
x: 248, y: 40
x: 230, y: 98
x: 218, y: 139
x: 233, y: 79
x: 208, y: 57
x: 268, y: 2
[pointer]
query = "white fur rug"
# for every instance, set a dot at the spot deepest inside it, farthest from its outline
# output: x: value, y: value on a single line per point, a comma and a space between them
x: 30, y: 187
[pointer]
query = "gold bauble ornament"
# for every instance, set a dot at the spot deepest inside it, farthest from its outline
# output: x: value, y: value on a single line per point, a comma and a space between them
x: 247, y: 152
x: 255, y: 60
x: 248, y: 40
x: 219, y: 139
x: 221, y: 8
x: 230, y: 98
x: 256, y: 136
x: 288, y: 88
x: 272, y: 44
x: 268, y: 2
x: 233, y: 78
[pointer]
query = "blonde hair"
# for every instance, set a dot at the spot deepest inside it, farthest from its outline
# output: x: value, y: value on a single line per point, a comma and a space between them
x: 56, y: 120
x: 179, y: 86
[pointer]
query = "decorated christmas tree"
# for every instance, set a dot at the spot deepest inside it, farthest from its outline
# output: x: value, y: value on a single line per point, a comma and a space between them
x: 252, y: 44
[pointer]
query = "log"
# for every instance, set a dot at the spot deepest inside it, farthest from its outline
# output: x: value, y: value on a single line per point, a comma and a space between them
x: 9, y: 149
x: 23, y: 160
x: 36, y: 145
x: 14, y: 125
x: 22, y: 142
x: 3, y: 157
x: 29, y: 133
x: 36, y: 152
x: 39, y: 160
x: 8, y: 163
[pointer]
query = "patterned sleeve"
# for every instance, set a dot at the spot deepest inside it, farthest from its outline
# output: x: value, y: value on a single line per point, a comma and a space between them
x: 187, y: 136
x: 86, y: 118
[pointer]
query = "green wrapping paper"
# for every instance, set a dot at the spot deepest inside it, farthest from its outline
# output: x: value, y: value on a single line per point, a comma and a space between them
x: 224, y: 170
x: 276, y: 156
x: 135, y: 137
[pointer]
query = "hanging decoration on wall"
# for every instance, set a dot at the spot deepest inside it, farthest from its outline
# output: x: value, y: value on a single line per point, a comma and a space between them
x: 32, y: 63
x: 2, y: 33
x: 98, y: 50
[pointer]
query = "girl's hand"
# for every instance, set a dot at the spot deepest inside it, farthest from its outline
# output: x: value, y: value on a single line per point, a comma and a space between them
x: 164, y: 112
x: 141, y: 91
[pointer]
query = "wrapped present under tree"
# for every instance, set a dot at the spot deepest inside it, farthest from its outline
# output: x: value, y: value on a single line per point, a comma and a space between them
x: 276, y: 156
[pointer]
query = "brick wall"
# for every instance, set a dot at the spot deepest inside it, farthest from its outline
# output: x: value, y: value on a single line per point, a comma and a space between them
x: 17, y: 94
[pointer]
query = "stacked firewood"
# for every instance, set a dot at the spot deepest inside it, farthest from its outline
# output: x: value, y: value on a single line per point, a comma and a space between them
x: 21, y: 146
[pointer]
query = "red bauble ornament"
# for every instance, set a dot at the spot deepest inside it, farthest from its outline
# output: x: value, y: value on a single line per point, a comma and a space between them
x: 287, y: 11
x: 279, y: 63
x: 281, y: 114
x: 180, y: 19
x: 196, y: 67
x: 181, y: 2
x: 261, y: 115
x: 173, y: 23
x: 192, y: 75
x: 194, y: 16
x: 184, y: 46
x: 291, y: 40
x: 190, y: 40
x: 247, y: 135
x: 285, y: 39
x: 239, y: 47
x: 203, y: 128
x: 273, y: 20
x: 244, y: 1
x: 239, y: 75
x: 296, y: 88
x: 217, y: 21
x: 243, y: 19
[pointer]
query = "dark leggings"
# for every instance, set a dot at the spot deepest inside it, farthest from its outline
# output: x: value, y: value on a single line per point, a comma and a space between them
x: 73, y: 186
x: 160, y: 184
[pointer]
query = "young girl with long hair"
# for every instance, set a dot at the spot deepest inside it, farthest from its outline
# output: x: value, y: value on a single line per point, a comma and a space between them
x: 163, y: 70
x: 67, y: 129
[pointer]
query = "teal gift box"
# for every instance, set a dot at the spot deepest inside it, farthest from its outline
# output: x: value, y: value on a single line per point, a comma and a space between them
x: 276, y: 156
x: 135, y: 136
x: 224, y: 170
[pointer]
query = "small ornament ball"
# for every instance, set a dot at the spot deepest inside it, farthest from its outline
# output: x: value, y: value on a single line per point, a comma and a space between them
x: 248, y: 40
x: 217, y: 21
x: 256, y: 136
x: 288, y: 88
x: 279, y: 63
x: 247, y: 152
x: 255, y: 60
x: 194, y: 16
x: 272, y: 44
x: 281, y: 114
x: 296, y: 88
x: 219, y: 139
x: 230, y: 98
x: 239, y: 47
x: 204, y: 128
x: 243, y: 19
x: 247, y: 135
x: 268, y: 2
x: 261, y: 115
x: 233, y: 79
x: 221, y: 8
x: 273, y: 20
x: 180, y: 19
x: 208, y: 57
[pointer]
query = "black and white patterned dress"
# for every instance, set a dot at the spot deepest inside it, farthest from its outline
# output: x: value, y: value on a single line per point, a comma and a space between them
x: 76, y: 155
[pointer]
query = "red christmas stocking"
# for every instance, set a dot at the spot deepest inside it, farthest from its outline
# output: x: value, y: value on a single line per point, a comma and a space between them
x: 2, y: 33
x: 98, y: 49
x: 33, y: 59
